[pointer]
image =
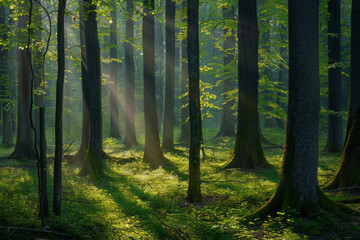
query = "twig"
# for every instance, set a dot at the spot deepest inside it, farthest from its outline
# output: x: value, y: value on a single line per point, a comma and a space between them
x: 68, y: 147
x: 339, y: 189
x: 178, y: 231
x: 351, y: 200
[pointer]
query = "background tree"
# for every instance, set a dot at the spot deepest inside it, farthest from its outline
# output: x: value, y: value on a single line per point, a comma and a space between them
x: 113, y: 85
x: 348, y: 170
x: 93, y: 164
x: 168, y: 129
x: 335, y: 126
x: 247, y: 151
x: 227, y: 118
x: 194, y: 191
x: 24, y: 146
x: 130, y: 135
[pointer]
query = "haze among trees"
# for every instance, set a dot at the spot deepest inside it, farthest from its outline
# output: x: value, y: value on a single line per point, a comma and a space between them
x: 179, y: 119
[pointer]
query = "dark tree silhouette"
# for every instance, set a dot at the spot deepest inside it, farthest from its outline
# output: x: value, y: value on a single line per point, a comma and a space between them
x: 247, y: 151
x: 194, y: 191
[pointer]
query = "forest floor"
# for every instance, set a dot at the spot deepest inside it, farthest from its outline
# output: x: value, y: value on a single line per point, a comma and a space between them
x: 134, y: 201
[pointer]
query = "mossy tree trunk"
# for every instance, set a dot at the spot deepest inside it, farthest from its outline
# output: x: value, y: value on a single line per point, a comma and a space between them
x: 153, y: 153
x: 227, y: 127
x: 168, y: 129
x: 335, y: 126
x: 348, y: 172
x: 130, y: 133
x: 247, y: 151
x: 114, y: 95
x: 194, y: 191
x: 93, y: 164
x: 185, y: 124
x: 298, y: 185
x: 24, y: 146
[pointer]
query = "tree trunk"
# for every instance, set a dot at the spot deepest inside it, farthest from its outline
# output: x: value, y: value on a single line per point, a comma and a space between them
x: 159, y: 67
x: 185, y: 123
x: 130, y: 133
x: 7, y: 136
x: 114, y: 95
x: 298, y: 185
x: 227, y: 119
x: 59, y: 109
x: 93, y: 164
x: 153, y: 153
x: 24, y: 146
x: 350, y: 158
x: 335, y: 126
x: 194, y: 190
x: 67, y: 83
x: 247, y: 151
x: 168, y: 130
x: 280, y: 122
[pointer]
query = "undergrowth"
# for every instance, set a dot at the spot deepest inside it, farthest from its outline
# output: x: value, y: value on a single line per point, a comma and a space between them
x: 134, y: 201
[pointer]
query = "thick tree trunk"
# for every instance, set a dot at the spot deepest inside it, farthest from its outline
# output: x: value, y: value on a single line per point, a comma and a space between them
x: 7, y: 136
x: 114, y: 95
x: 185, y: 123
x: 247, y: 151
x: 93, y: 164
x: 227, y: 127
x: 130, y: 134
x: 153, y: 153
x: 168, y: 130
x: 298, y: 185
x: 194, y: 190
x: 335, y: 126
x: 59, y: 109
x: 350, y: 159
x: 24, y: 146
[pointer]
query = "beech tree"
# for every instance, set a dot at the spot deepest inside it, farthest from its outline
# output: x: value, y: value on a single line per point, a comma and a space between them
x: 130, y: 134
x: 335, y: 126
x: 152, y: 153
x: 168, y: 129
x: 298, y: 186
x: 194, y: 191
x: 247, y: 151
x: 93, y: 164
x: 348, y: 171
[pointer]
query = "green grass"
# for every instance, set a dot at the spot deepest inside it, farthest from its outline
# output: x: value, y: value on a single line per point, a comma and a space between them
x: 134, y: 201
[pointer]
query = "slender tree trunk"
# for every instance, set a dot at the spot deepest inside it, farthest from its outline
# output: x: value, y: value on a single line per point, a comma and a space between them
x: 335, y: 126
x: 279, y: 122
x: 153, y: 153
x: 194, y: 190
x: 185, y: 123
x: 130, y: 133
x: 168, y: 130
x: 298, y: 185
x: 159, y: 67
x: 348, y: 170
x: 93, y: 164
x: 114, y: 95
x: 67, y: 83
x: 59, y: 109
x: 24, y: 146
x: 227, y: 127
x: 7, y: 136
x: 247, y: 151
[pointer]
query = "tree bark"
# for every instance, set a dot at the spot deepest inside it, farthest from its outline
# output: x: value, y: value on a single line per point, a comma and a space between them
x: 7, y: 136
x: 298, y: 185
x: 227, y: 127
x: 194, y: 190
x: 93, y: 164
x: 335, y: 126
x: 168, y: 130
x: 350, y: 158
x: 59, y: 109
x: 159, y: 67
x: 114, y: 95
x: 130, y: 133
x: 185, y: 123
x: 152, y: 153
x: 24, y: 146
x: 247, y: 151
